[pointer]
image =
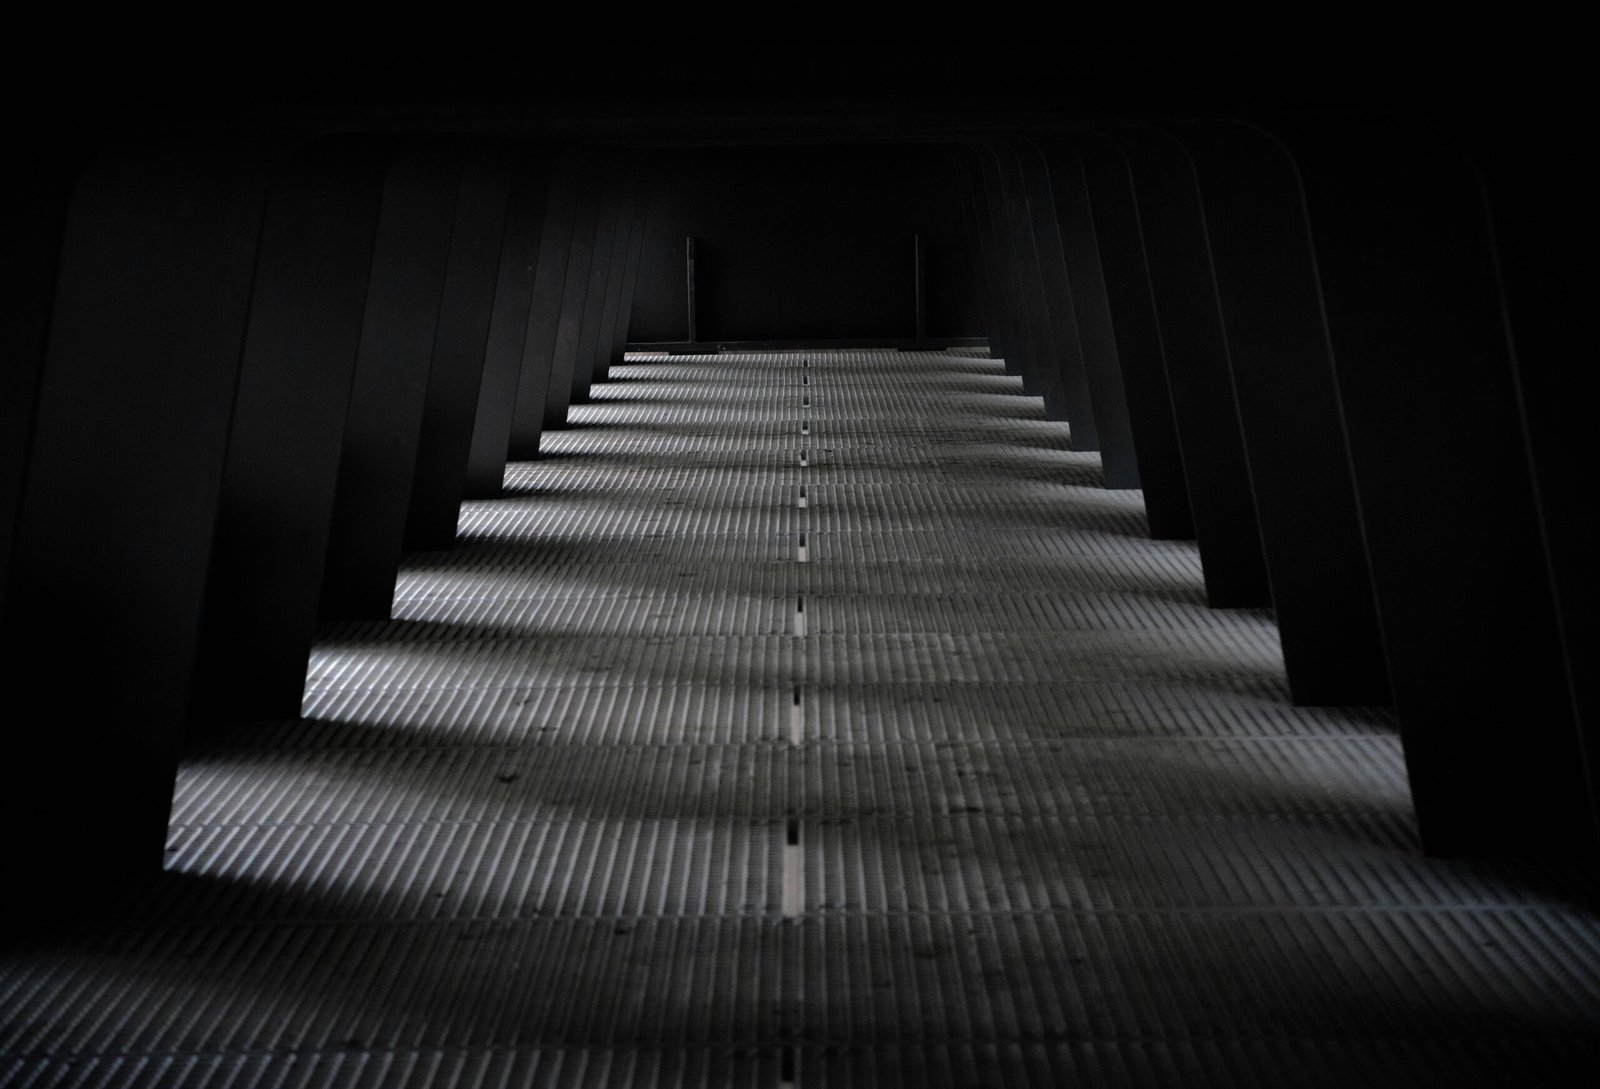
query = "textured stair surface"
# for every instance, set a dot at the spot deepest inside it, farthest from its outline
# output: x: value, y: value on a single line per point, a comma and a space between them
x: 813, y: 719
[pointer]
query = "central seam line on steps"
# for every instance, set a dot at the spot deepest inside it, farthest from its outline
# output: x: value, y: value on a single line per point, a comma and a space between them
x: 793, y: 872
x: 796, y: 719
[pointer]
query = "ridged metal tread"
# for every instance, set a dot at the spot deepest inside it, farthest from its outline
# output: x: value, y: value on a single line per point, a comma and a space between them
x: 570, y: 576
x: 877, y: 558
x: 486, y: 784
x: 525, y: 477
x: 551, y: 661
x: 1001, y: 713
x: 724, y: 445
x: 413, y: 869
x: 495, y: 659
x: 740, y: 459
x: 632, y: 615
x: 898, y: 864
x: 878, y: 713
x: 975, y: 863
x: 1111, y: 574
x: 1034, y: 657
x: 660, y: 612
x: 833, y: 363
x: 351, y: 1067
x: 895, y: 865
x: 1280, y: 777
x: 1199, y: 975
x: 378, y: 986
x: 593, y: 715
x: 725, y: 382
x: 1051, y: 503
x: 1149, y: 1063
x: 558, y: 571
x: 539, y: 520
x: 670, y: 417
x: 918, y: 444
x: 1038, y: 547
x: 647, y: 487
x: 600, y: 552
x: 1114, y: 1064
x: 1287, y: 778
x: 1045, y: 611
x: 1028, y: 978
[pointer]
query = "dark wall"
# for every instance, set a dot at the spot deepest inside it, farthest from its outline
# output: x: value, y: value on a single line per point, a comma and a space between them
x: 803, y: 242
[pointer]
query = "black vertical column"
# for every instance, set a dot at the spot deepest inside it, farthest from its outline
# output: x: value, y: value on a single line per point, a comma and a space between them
x: 1045, y: 370
x: 1544, y: 223
x: 574, y: 296
x: 277, y: 497
x: 1140, y: 354
x: 36, y: 193
x: 118, y: 507
x: 1066, y: 396
x: 630, y: 275
x: 1096, y: 337
x: 614, y: 322
x: 1199, y: 374
x: 592, y: 333
x: 456, y: 375
x: 1430, y: 396
x: 401, y: 316
x: 507, y: 336
x: 1035, y: 349
x: 979, y: 246
x: 544, y: 311
x: 1289, y: 410
x: 1001, y: 273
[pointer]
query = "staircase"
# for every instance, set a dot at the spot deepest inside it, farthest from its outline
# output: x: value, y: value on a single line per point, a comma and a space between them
x: 809, y: 719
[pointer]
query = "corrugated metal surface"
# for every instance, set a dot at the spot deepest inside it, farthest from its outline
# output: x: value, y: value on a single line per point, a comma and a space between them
x: 980, y: 794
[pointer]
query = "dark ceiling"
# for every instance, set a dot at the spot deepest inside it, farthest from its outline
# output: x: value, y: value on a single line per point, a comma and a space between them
x: 677, y: 92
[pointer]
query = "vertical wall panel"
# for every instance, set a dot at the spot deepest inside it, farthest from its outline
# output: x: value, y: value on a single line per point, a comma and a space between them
x: 544, y: 312
x: 1429, y: 390
x: 378, y: 460
x: 575, y: 293
x: 1199, y: 374
x: 289, y: 416
x: 614, y: 321
x: 36, y: 192
x: 1033, y: 343
x: 1140, y: 353
x: 455, y: 378
x: 591, y: 326
x: 1065, y: 391
x: 120, y: 503
x: 505, y: 346
x: 1096, y: 337
x: 1289, y: 411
